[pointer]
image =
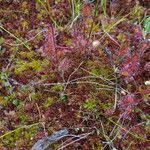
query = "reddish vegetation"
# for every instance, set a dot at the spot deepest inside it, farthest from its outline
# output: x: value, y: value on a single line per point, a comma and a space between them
x: 78, y: 66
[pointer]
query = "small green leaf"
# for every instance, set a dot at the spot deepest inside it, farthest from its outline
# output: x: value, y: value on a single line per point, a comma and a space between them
x: 1, y: 40
x: 63, y: 98
x: 15, y: 102
x: 57, y: 87
x: 48, y: 102
x: 90, y: 104
x: 146, y: 28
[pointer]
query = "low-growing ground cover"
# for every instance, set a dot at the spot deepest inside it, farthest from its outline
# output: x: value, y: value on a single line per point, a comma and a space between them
x: 79, y: 67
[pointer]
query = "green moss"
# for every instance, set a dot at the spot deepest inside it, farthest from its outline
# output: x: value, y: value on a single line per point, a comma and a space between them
x: 102, y: 71
x: 34, y: 96
x: 10, y: 139
x: 49, y: 101
x: 36, y: 65
x: 15, y: 102
x: 30, y: 133
x: 136, y: 12
x: 89, y: 22
x: 90, y: 104
x: 57, y: 87
x: 99, y: 69
x: 23, y: 118
x: 28, y: 55
x: 97, y: 146
x: 1, y: 40
x: 3, y: 102
x: 90, y: 63
x: 12, y: 98
x: 44, y: 76
x: 68, y: 42
x: 25, y: 25
x: 5, y: 81
x: 39, y: 37
x: 105, y: 105
x: 21, y: 66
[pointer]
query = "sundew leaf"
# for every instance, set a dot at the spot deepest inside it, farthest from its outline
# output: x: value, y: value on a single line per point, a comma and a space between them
x: 49, y: 47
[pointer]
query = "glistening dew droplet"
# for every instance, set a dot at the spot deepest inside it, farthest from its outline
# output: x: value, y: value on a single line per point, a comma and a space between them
x: 95, y: 43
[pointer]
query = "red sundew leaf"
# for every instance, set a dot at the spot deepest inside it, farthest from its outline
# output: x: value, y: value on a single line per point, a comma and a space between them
x: 83, y: 42
x: 130, y: 66
x: 125, y: 73
x: 145, y: 91
x: 39, y: 135
x: 137, y: 32
x: 127, y: 101
x: 123, y: 51
x: 109, y: 112
x: 8, y: 41
x: 80, y: 41
x: 60, y: 54
x: 123, y: 130
x: 138, y: 130
x: 147, y: 67
x: 86, y: 10
x: 9, y: 26
x: 62, y: 51
x: 85, y: 146
x: 64, y: 64
x: 49, y: 46
x: 144, y: 47
x: 128, y: 112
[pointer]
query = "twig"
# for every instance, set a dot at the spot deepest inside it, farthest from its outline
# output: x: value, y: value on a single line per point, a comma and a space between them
x: 15, y: 37
x: 32, y: 38
x: 94, y: 77
x: 78, y: 82
x: 40, y: 119
x: 82, y: 137
x: 116, y: 89
x: 109, y: 140
x: 131, y: 133
x: 102, y: 78
x: 75, y: 70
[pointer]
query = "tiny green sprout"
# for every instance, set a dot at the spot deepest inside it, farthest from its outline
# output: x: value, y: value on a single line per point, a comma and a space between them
x: 1, y: 40
x: 63, y: 98
x: 90, y: 104
x: 49, y: 101
x: 147, y: 117
x: 15, y: 102
x: 57, y: 87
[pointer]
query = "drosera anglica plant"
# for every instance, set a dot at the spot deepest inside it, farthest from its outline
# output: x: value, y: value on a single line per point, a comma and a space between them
x: 85, y: 59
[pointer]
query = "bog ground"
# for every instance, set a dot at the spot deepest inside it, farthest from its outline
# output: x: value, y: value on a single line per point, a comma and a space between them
x: 74, y: 75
